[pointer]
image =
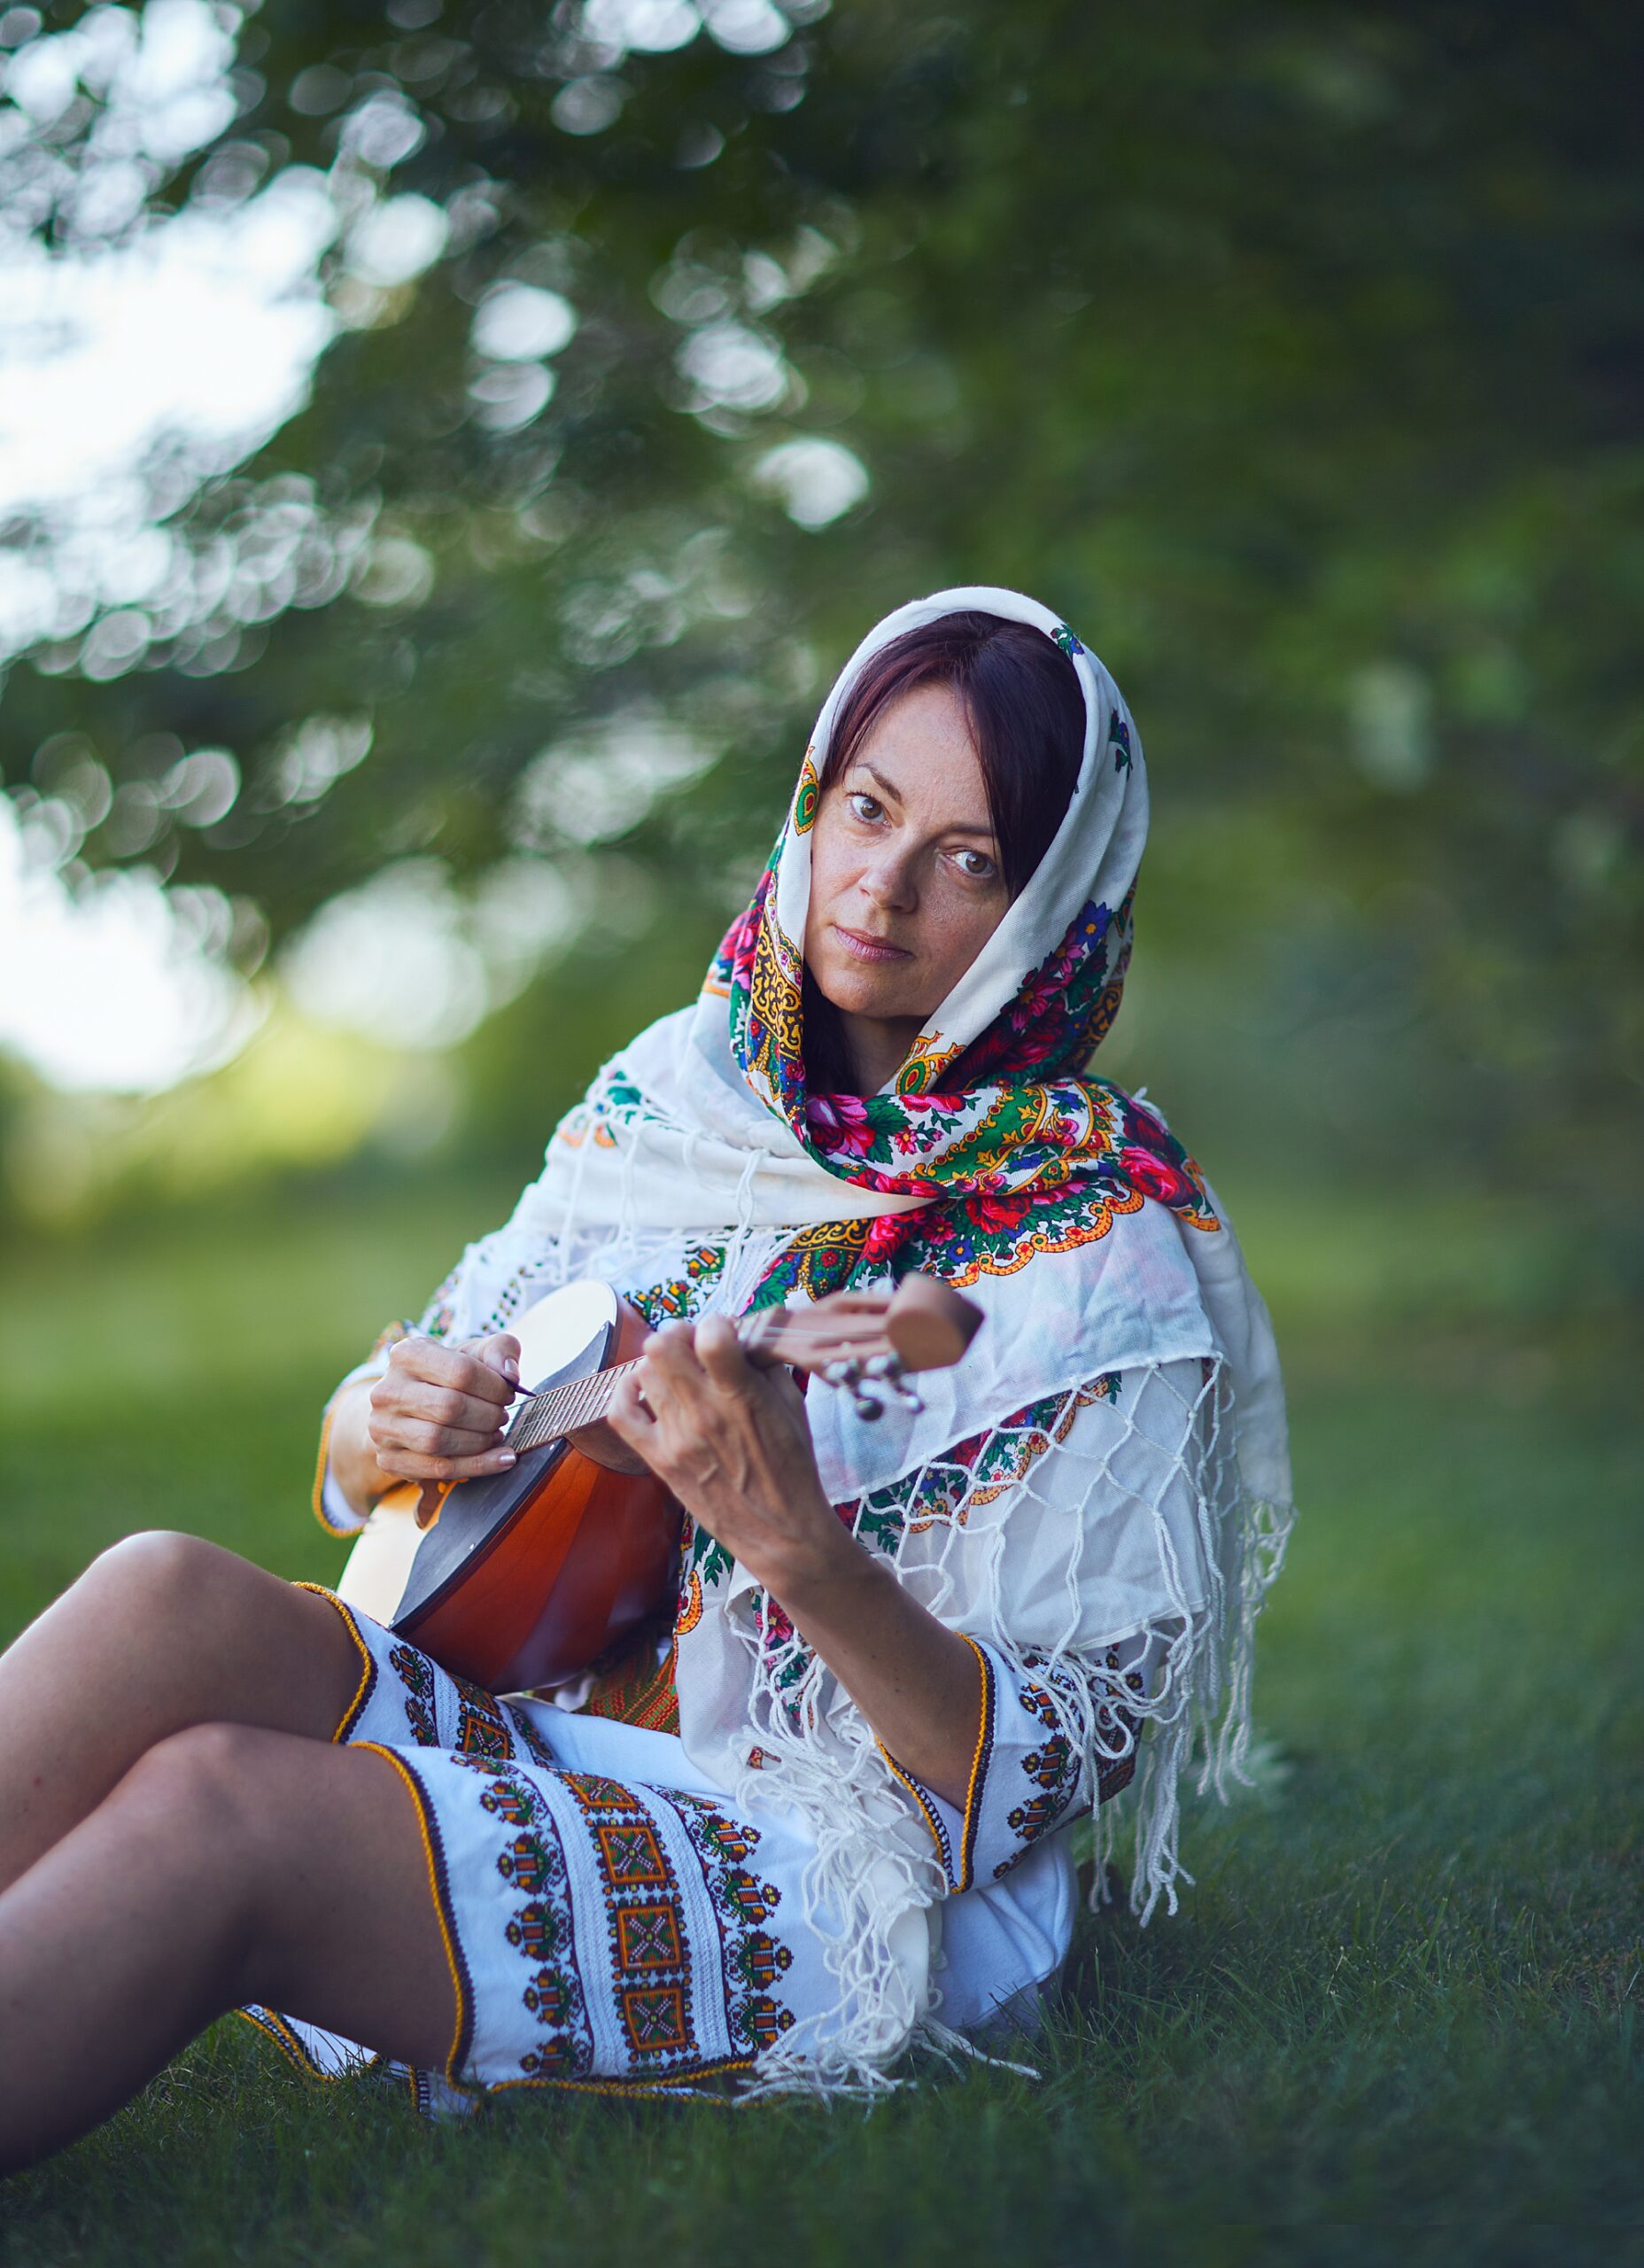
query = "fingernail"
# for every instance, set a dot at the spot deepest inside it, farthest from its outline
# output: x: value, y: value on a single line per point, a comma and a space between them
x: 508, y: 1457
x: 510, y: 1369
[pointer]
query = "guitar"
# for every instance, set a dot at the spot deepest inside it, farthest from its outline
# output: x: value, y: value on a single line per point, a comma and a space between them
x: 520, y: 1579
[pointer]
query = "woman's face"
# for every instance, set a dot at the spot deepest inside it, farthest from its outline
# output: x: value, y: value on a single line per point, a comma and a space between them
x: 905, y: 887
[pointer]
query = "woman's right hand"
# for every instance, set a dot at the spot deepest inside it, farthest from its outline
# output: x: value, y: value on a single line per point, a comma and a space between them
x: 436, y: 1411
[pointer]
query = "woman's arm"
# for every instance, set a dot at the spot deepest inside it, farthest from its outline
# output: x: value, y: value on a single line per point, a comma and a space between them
x: 733, y: 1445
x: 916, y: 1682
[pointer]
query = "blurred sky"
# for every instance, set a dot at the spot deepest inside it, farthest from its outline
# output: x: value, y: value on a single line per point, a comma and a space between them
x: 133, y: 370
x: 202, y: 331
x: 193, y: 341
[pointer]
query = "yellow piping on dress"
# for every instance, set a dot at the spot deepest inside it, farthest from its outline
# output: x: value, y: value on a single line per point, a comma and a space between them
x: 318, y: 1497
x: 678, y: 2083
x: 968, y: 1824
x: 437, y: 1891
x: 984, y: 1732
x: 367, y: 1669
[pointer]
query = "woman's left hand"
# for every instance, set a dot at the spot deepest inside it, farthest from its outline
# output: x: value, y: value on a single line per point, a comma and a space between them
x: 732, y: 1444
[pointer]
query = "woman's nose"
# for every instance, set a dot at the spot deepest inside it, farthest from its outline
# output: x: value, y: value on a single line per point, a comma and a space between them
x: 889, y: 881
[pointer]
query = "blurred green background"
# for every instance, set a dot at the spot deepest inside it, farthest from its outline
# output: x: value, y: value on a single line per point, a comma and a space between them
x: 1295, y: 352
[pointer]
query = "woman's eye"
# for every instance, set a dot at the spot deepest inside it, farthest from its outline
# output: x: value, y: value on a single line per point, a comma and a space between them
x: 977, y: 864
x: 864, y: 805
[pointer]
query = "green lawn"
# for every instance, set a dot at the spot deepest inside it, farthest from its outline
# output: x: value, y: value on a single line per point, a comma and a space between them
x: 1394, y: 2021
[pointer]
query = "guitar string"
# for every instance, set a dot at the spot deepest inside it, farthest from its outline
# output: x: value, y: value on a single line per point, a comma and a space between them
x: 548, y: 1416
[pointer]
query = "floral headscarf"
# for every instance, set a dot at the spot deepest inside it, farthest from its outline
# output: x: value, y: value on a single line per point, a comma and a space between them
x: 991, y: 1113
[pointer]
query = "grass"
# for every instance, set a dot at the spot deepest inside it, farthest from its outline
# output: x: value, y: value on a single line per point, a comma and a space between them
x: 1395, y: 2020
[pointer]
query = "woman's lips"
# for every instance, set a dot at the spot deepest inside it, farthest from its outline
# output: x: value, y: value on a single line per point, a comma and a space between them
x: 866, y: 948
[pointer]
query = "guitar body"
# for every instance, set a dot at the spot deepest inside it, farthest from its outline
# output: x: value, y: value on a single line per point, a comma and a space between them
x: 525, y: 1576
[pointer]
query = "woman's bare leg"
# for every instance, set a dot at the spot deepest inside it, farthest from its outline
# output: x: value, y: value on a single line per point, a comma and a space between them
x: 160, y: 1633
x: 228, y: 1865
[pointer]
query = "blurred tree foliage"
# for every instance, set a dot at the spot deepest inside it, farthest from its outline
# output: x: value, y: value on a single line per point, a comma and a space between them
x: 1295, y: 351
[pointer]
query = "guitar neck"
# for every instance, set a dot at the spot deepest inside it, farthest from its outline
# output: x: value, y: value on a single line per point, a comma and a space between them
x: 548, y: 1416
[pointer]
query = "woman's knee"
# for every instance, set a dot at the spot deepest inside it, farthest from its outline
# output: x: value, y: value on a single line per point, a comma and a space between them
x: 198, y: 1634
x: 200, y: 1785
x: 231, y: 1812
x: 165, y: 1579
x: 199, y: 1817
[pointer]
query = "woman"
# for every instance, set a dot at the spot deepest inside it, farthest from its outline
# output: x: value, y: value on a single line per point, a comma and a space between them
x: 826, y: 1815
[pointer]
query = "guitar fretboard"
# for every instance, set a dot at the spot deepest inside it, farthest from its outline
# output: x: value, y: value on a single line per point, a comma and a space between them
x: 546, y: 1417
x: 852, y: 1343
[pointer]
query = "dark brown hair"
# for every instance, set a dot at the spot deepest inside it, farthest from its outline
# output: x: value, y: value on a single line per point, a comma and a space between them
x: 1026, y: 710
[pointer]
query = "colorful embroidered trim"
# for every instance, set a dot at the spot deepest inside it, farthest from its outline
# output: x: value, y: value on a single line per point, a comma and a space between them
x: 439, y: 1889
x: 635, y: 1691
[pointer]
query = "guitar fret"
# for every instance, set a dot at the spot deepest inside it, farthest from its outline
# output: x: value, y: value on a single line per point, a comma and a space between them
x: 568, y: 1407
x: 580, y: 1403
